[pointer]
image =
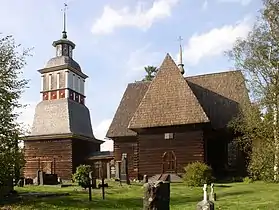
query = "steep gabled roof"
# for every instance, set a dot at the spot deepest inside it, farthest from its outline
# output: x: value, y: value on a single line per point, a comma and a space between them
x: 126, y: 109
x: 220, y: 94
x: 168, y: 101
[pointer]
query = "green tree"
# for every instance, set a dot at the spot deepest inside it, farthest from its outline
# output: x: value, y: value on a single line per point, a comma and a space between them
x: 151, y: 72
x: 82, y: 175
x: 12, y: 85
x: 257, y: 56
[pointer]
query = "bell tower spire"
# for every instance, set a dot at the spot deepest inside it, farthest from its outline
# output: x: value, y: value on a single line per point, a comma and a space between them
x: 64, y: 32
x: 180, y: 62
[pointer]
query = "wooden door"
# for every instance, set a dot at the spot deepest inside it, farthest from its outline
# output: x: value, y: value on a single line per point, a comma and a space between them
x: 169, y: 162
x: 46, y: 166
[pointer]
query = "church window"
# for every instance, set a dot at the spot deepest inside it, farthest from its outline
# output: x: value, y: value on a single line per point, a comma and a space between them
x: 53, y: 81
x: 74, y: 81
x: 168, y: 135
x: 59, y: 50
x: 78, y: 85
x: 49, y: 82
x: 58, y: 80
x: 70, y: 51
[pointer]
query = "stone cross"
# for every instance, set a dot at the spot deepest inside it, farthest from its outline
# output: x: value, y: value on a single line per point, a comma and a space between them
x: 212, y: 194
x: 205, y: 204
x: 205, y: 192
x: 124, y: 176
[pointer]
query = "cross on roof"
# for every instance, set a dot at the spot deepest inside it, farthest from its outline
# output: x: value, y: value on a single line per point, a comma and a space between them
x: 64, y: 20
x: 180, y: 39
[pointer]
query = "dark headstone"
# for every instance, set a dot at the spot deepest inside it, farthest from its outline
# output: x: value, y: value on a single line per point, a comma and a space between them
x: 50, y: 179
x: 92, y: 180
x: 124, y: 177
x: 146, y: 195
x: 145, y: 179
x: 28, y: 181
x: 205, y: 204
x: 157, y: 195
x: 38, y: 177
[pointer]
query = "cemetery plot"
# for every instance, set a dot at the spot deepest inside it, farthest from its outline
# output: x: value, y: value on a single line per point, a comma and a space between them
x: 243, y: 196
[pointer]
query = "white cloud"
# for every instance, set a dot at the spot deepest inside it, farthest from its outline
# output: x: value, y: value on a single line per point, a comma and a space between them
x: 26, y: 115
x: 142, y: 57
x: 205, y: 5
x: 138, y: 18
x: 215, y: 41
x: 100, y: 133
x: 242, y: 2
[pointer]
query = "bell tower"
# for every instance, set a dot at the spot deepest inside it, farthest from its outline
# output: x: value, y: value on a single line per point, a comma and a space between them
x: 61, y: 137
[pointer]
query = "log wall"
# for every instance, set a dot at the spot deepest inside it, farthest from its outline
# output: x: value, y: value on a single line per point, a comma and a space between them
x: 53, y: 156
x: 128, y: 145
x: 187, y: 147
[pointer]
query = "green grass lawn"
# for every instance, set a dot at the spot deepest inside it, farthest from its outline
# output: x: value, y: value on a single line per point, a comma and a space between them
x: 229, y: 196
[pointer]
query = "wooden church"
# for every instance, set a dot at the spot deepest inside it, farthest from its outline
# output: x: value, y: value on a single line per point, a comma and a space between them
x: 61, y: 137
x: 173, y: 120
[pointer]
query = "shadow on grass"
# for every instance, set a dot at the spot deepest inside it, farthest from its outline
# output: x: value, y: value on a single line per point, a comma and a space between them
x: 78, y: 200
x: 243, y: 192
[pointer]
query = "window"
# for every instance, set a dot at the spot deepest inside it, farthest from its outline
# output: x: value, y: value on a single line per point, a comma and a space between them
x: 168, y: 135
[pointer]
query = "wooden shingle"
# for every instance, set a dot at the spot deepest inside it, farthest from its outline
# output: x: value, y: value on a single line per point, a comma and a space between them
x: 168, y: 101
x: 220, y: 95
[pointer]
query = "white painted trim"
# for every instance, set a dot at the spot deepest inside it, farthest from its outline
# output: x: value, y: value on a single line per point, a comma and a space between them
x: 67, y: 93
x: 66, y: 79
x: 42, y: 82
x: 58, y: 80
x: 74, y: 78
x: 49, y: 82
x: 78, y: 85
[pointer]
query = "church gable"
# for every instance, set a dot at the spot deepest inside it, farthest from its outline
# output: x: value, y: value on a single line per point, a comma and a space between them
x: 168, y: 101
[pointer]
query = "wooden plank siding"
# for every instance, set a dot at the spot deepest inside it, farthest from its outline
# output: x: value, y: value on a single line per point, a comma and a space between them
x: 57, y: 153
x: 82, y: 150
x: 187, y: 146
x: 129, y: 146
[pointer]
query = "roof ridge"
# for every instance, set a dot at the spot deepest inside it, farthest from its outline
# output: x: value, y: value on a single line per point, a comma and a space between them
x: 212, y: 74
x: 162, y: 102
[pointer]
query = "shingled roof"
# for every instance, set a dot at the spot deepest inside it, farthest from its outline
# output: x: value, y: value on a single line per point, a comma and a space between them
x: 219, y: 94
x: 168, y: 101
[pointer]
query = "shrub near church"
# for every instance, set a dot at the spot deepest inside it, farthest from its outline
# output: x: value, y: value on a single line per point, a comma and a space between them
x: 197, y: 174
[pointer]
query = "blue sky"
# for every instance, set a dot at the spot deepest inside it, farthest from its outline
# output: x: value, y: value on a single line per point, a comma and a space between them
x: 116, y: 39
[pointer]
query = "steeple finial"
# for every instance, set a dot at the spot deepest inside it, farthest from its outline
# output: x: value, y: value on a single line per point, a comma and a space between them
x: 180, y: 64
x: 64, y: 32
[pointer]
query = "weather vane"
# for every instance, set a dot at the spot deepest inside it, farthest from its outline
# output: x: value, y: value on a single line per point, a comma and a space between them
x: 180, y: 39
x: 64, y: 20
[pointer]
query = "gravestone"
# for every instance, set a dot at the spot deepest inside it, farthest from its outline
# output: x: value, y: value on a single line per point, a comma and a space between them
x: 212, y: 196
x: 41, y: 178
x: 92, y: 180
x: 145, y: 179
x: 37, y: 179
x: 205, y: 204
x: 146, y: 192
x: 20, y: 182
x: 157, y: 195
x: 124, y: 176
x: 117, y: 170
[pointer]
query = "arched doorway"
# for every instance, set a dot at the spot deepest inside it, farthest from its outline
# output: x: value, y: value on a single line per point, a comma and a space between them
x: 169, y: 162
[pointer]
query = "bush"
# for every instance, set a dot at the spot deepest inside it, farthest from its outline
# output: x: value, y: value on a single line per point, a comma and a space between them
x: 197, y: 174
x: 82, y: 175
x: 247, y: 180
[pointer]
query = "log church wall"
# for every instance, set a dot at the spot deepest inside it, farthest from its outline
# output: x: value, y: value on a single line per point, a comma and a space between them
x: 53, y: 156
